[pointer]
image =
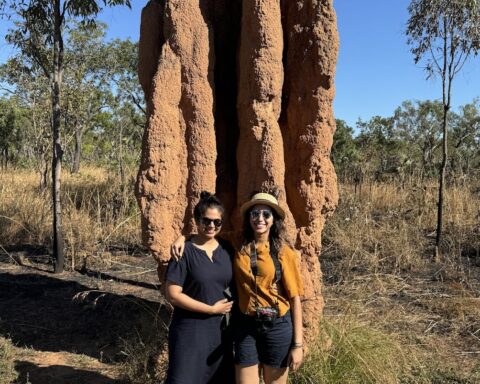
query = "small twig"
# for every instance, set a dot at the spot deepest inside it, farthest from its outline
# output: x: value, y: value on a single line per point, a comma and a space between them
x: 473, y: 334
x: 118, y: 263
x: 9, y: 255
x: 141, y: 272
x: 119, y: 225
x: 34, y: 326
x: 430, y: 326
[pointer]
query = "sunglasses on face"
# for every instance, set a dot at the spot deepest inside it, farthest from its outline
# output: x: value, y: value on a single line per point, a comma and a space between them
x: 207, y: 222
x: 255, y: 214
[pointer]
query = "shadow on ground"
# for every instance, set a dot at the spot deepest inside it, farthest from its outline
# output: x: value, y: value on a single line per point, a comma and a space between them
x: 46, y: 313
x: 58, y: 374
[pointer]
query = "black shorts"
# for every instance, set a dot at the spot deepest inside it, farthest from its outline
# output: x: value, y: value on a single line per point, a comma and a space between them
x: 270, y: 348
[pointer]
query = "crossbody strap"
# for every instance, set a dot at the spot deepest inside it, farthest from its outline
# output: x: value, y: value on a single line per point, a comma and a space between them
x: 254, y: 267
x: 253, y: 262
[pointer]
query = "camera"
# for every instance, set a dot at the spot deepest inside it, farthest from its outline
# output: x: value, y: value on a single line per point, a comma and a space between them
x: 265, y: 318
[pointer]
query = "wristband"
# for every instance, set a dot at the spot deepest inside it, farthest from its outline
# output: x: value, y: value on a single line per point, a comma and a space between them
x: 297, y: 345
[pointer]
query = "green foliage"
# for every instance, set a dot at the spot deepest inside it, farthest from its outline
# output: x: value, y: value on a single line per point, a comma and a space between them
x: 382, y: 152
x: 29, y: 90
x: 465, y: 139
x: 408, y: 144
x: 345, y: 154
x: 35, y: 22
x: 440, y: 27
x: 102, y: 107
x: 419, y: 125
x: 8, y: 131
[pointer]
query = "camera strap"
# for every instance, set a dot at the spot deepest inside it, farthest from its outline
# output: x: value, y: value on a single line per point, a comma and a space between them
x: 254, y: 268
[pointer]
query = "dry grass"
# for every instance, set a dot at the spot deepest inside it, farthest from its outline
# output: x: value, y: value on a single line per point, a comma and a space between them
x: 378, y: 269
x: 359, y: 354
x: 392, y: 312
x: 100, y: 215
x: 385, y: 228
x: 7, y: 372
x: 146, y: 359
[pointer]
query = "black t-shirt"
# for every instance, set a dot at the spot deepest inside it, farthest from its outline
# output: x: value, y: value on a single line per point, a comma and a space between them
x: 202, y: 278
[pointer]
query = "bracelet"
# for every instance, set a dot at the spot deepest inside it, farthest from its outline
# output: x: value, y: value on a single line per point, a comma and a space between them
x: 297, y: 345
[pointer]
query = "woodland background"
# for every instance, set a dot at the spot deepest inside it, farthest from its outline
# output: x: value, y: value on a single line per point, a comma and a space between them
x: 394, y: 311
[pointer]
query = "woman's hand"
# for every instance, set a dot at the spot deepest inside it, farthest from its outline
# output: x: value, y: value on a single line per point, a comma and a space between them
x: 177, y: 298
x: 296, y: 352
x: 221, y: 307
x: 176, y: 249
x: 296, y: 358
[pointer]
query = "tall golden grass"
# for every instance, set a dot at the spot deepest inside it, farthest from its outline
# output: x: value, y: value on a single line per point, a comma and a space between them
x: 389, y: 229
x: 100, y: 215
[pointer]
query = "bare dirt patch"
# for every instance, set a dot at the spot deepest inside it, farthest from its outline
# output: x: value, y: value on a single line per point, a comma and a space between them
x: 72, y: 328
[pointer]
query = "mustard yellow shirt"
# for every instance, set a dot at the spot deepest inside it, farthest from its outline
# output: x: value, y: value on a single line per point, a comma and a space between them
x: 268, y: 294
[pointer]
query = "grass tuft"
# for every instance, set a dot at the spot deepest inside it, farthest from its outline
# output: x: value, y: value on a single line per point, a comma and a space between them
x: 7, y: 371
x: 358, y: 354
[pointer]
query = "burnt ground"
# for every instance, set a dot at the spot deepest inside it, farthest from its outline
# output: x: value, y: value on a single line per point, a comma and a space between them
x: 74, y: 327
x: 80, y: 327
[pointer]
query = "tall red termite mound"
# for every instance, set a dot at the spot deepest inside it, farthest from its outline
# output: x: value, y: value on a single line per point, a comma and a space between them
x: 239, y: 97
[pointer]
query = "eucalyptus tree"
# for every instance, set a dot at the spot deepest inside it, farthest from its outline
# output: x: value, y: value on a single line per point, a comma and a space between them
x: 465, y: 140
x: 26, y: 84
x: 8, y: 130
x: 381, y: 151
x: 345, y: 154
x: 39, y: 33
x: 419, y: 124
x: 443, y: 34
x: 87, y: 83
x: 129, y: 110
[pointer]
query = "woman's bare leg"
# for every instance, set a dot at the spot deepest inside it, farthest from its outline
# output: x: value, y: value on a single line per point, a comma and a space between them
x: 273, y: 375
x: 247, y: 375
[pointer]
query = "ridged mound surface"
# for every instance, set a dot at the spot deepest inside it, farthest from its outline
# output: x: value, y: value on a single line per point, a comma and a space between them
x: 239, y: 97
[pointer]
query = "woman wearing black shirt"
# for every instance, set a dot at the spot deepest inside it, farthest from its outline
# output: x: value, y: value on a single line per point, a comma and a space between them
x: 195, y: 285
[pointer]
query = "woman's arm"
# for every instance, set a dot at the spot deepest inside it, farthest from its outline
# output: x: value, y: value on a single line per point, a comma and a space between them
x: 177, y: 298
x: 296, y: 351
x: 176, y: 249
x: 178, y: 246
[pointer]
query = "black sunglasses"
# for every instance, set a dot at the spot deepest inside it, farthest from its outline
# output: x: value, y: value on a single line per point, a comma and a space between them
x: 255, y: 213
x: 216, y: 222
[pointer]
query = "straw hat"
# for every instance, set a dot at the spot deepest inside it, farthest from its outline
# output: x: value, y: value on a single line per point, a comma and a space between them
x: 265, y: 199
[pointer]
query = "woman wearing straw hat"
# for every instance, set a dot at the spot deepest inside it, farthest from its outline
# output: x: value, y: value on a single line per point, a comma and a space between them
x: 267, y: 328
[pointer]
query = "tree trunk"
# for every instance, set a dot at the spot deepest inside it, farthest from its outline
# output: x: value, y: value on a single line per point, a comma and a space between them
x: 446, y: 106
x: 121, y: 164
x: 58, y: 243
x: 5, y: 158
x: 78, y: 150
x: 43, y: 170
x: 441, y: 184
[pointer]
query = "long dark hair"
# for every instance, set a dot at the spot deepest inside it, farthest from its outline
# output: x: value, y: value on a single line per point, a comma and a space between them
x: 207, y: 200
x: 276, y: 235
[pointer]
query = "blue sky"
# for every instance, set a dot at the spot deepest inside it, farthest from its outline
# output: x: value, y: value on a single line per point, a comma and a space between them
x: 375, y: 70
